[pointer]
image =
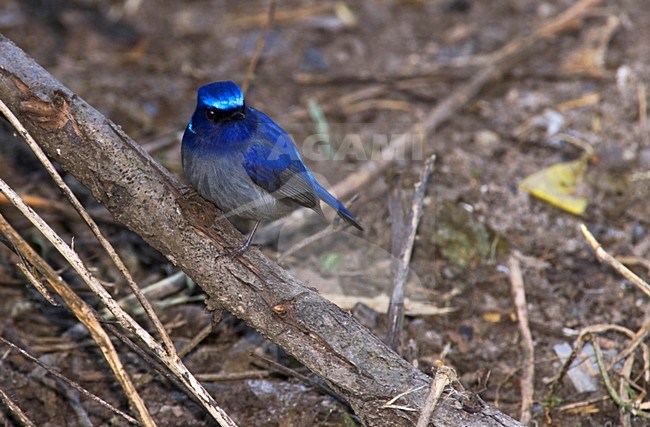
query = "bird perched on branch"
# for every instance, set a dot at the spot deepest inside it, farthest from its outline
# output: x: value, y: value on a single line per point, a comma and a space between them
x: 242, y: 161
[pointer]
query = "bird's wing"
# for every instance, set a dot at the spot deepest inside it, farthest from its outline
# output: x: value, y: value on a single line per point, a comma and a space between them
x: 277, y: 168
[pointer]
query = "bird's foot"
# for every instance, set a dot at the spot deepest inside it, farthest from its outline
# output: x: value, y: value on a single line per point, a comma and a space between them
x: 234, y: 253
x: 237, y: 252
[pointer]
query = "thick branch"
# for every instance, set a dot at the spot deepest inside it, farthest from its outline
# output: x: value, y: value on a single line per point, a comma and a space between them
x: 190, y: 233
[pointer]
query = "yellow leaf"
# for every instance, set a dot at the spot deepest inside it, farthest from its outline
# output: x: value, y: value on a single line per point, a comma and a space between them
x: 556, y: 185
x: 492, y: 317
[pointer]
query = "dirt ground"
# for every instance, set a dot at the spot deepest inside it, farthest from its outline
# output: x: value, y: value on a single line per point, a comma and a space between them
x: 371, y: 68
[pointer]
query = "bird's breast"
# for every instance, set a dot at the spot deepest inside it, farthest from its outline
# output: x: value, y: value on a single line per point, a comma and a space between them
x: 220, y: 177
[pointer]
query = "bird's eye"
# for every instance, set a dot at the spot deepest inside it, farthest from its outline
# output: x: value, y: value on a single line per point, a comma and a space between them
x: 216, y: 115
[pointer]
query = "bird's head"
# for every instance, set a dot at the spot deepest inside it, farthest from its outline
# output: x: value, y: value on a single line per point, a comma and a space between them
x: 221, y: 102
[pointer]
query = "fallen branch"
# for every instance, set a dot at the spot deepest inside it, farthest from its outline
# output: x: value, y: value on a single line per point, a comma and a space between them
x: 396, y: 307
x: 527, y: 347
x: 188, y: 230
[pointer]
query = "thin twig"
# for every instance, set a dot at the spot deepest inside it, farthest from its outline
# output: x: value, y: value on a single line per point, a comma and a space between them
x: 589, y: 333
x: 169, y: 345
x: 31, y: 278
x: 151, y: 361
x: 528, y: 353
x: 71, y: 383
x: 604, y: 256
x: 391, y: 403
x: 637, y: 341
x: 573, y: 406
x: 396, y: 214
x: 82, y: 311
x: 261, y: 42
x: 599, y: 328
x: 41, y: 203
x: 444, y: 375
x: 203, y: 334
x: 557, y: 381
x: 15, y: 409
x: 628, y: 406
x: 396, y: 307
x: 233, y: 376
x: 158, y: 292
x: 638, y: 337
x: 625, y: 387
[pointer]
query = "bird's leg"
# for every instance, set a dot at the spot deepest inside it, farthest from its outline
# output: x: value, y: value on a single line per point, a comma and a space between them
x: 243, y: 248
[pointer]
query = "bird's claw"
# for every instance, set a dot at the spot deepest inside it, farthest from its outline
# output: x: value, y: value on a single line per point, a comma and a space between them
x: 236, y: 252
x: 247, y: 244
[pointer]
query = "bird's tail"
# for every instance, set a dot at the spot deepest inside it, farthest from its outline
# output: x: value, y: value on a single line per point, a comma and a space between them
x: 340, y: 209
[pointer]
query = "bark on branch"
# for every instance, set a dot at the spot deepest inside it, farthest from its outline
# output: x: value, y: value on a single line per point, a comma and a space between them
x: 190, y: 232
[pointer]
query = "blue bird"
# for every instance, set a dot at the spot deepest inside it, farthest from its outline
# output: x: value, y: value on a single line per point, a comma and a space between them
x: 238, y: 158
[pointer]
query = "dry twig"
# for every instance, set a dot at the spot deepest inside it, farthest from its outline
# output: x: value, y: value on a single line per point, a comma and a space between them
x: 31, y: 278
x: 15, y: 409
x: 625, y: 405
x: 528, y: 352
x: 392, y: 403
x: 444, y: 376
x: 198, y: 338
x: 605, y: 257
x: 396, y: 307
x: 233, y: 376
